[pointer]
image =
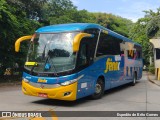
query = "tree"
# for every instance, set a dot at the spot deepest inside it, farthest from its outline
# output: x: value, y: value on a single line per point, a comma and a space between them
x: 153, y: 24
x: 32, y: 8
x: 13, y: 26
x: 7, y: 24
x: 138, y: 34
x: 115, y: 23
x: 56, y: 11
x: 146, y: 28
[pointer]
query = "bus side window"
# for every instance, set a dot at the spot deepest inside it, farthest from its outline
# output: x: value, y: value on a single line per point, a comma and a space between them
x: 157, y: 53
x: 108, y: 45
x: 92, y: 42
x: 135, y: 54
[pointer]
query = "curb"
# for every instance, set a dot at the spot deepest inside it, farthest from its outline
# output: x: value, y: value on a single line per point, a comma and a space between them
x: 18, y: 83
x: 152, y: 81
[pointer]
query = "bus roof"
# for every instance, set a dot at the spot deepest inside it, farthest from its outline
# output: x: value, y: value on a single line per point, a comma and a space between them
x: 79, y: 27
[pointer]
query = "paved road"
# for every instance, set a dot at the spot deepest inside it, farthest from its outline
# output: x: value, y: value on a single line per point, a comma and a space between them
x: 144, y: 96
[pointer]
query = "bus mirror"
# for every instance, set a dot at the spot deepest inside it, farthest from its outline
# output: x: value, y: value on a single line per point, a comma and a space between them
x: 77, y: 40
x: 18, y: 42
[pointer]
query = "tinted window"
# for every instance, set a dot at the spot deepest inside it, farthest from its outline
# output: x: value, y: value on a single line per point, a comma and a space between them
x: 137, y: 53
x: 93, y: 31
x: 157, y: 53
x: 92, y: 41
x: 131, y: 54
x: 108, y: 45
x: 83, y: 55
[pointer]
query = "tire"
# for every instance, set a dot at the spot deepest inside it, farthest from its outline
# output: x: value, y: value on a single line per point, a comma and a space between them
x: 134, y: 80
x: 99, y: 89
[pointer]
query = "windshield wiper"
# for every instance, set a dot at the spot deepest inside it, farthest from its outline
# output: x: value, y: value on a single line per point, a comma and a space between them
x: 43, y: 54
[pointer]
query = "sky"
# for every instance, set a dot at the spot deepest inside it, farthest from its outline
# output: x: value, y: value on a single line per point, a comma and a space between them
x: 130, y: 9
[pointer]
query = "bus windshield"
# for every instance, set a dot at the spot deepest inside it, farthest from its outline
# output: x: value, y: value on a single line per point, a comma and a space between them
x: 51, y: 52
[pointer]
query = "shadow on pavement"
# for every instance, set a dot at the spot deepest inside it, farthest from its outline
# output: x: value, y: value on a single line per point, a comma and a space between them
x: 82, y: 100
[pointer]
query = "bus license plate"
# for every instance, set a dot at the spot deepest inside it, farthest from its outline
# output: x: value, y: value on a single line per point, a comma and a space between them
x: 43, y: 95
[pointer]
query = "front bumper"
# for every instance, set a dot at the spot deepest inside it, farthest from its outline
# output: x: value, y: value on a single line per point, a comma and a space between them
x: 53, y: 93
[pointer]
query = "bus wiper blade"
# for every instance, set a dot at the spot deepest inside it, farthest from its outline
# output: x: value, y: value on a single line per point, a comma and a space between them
x: 43, y: 54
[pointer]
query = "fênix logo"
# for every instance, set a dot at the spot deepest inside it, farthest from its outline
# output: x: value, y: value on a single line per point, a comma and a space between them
x: 42, y: 80
x: 111, y: 66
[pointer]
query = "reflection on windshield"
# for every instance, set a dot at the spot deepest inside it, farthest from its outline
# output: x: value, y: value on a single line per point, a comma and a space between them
x: 52, y: 52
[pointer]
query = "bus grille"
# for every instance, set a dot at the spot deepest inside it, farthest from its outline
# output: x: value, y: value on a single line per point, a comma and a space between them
x: 44, y: 86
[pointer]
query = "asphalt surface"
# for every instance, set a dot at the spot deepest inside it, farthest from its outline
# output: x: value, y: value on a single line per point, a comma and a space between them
x: 144, y: 96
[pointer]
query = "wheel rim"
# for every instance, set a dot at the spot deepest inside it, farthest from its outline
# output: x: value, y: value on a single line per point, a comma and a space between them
x: 134, y: 81
x: 98, y: 88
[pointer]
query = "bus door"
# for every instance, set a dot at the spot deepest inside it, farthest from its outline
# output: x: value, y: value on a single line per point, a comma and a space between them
x: 84, y: 61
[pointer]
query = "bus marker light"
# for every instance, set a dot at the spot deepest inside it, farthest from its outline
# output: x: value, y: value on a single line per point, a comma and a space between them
x: 25, y: 80
x: 71, y: 81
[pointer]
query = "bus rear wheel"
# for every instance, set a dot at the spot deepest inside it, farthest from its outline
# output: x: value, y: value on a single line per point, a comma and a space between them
x: 134, y: 80
x: 99, y: 89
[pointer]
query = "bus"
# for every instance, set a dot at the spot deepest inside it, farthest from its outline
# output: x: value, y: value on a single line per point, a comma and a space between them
x: 71, y: 61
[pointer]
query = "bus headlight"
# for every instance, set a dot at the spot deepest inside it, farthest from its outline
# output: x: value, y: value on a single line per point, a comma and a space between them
x: 25, y: 80
x: 71, y: 81
x: 68, y: 82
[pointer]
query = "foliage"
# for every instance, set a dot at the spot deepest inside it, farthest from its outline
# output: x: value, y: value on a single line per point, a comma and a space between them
x: 144, y: 29
x: 32, y: 8
x: 115, y: 23
x: 12, y: 26
x: 63, y: 11
x: 151, y: 69
x: 153, y: 27
x: 7, y: 23
x: 138, y: 34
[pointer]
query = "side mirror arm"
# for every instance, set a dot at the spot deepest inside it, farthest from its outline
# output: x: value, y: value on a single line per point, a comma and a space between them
x: 77, y: 40
x: 18, y: 42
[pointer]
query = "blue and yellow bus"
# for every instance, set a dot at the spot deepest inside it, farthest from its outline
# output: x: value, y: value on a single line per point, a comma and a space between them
x: 71, y: 61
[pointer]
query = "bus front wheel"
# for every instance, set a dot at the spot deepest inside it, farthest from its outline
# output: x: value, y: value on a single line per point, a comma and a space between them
x: 99, y: 89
